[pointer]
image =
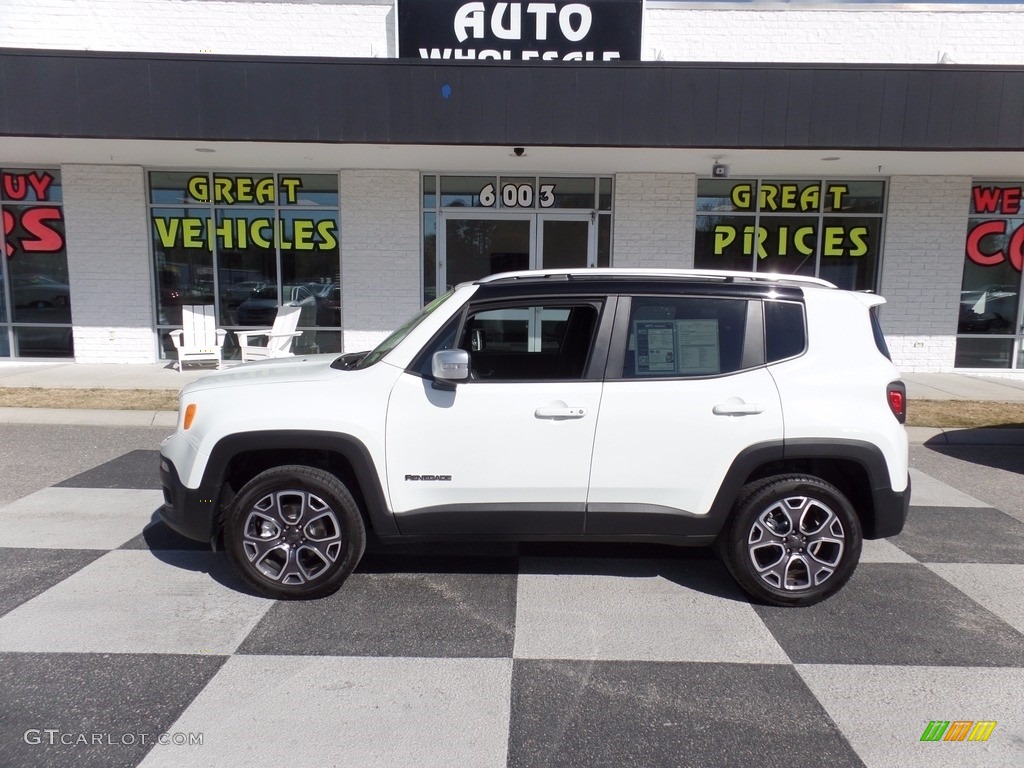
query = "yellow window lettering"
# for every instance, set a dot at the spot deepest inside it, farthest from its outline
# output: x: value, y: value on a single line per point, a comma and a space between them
x: 836, y: 191
x: 858, y: 237
x: 800, y: 240
x: 834, y: 237
x: 303, y: 235
x: 723, y: 238
x: 262, y: 233
x: 290, y: 189
x: 789, y: 197
x: 742, y: 196
x: 326, y: 230
x: 243, y: 189
x: 167, y: 231
x: 193, y: 233
x: 769, y: 195
x: 810, y: 198
x: 199, y: 189
x: 222, y: 190
x: 265, y: 190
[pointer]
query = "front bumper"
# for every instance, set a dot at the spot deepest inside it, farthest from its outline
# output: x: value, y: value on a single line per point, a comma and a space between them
x: 190, y: 512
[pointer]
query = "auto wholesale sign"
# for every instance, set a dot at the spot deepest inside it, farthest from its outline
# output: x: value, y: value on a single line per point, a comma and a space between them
x: 597, y: 30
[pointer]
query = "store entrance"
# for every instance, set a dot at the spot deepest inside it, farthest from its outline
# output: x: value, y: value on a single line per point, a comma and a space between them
x: 476, y: 244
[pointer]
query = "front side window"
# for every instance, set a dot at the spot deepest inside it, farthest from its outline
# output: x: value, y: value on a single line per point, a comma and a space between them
x: 35, y: 296
x: 534, y: 342
x: 827, y: 228
x: 682, y: 336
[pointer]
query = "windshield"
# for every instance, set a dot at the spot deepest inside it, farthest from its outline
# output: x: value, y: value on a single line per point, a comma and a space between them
x: 395, y: 338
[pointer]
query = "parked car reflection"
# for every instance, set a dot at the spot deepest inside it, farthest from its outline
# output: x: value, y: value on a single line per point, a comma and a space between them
x: 988, y: 310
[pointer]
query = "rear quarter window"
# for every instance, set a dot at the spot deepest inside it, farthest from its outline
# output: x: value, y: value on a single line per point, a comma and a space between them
x: 785, y: 331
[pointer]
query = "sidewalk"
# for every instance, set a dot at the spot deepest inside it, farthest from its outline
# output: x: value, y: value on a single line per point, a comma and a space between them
x: 920, y: 386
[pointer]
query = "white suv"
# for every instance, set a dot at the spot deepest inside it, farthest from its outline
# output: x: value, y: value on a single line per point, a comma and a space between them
x: 759, y: 413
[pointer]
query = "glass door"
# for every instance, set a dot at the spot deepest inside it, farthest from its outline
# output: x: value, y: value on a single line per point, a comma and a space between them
x: 476, y: 245
x: 565, y: 241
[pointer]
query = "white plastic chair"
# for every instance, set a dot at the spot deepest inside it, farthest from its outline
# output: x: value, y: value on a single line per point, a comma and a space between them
x: 199, y: 340
x: 279, y: 338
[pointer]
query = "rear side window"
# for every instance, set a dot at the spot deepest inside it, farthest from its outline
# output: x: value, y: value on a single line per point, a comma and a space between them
x: 785, y: 333
x: 876, y: 329
x: 682, y: 336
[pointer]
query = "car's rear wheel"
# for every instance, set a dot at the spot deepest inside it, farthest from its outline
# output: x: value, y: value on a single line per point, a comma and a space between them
x: 294, y: 532
x: 793, y: 540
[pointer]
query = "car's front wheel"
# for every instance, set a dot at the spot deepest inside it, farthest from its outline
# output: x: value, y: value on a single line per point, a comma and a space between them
x: 294, y: 532
x: 793, y: 540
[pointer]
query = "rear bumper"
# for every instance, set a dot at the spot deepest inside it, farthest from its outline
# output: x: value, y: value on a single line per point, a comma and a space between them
x: 891, y: 509
x: 190, y: 512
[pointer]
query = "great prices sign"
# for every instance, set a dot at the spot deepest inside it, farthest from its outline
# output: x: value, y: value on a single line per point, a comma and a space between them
x: 598, y: 30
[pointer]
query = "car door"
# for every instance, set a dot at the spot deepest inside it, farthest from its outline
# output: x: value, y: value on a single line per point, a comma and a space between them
x: 508, y: 451
x: 687, y: 392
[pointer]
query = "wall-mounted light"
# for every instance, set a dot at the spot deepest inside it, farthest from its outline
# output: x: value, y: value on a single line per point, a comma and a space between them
x: 720, y: 170
x: 519, y: 151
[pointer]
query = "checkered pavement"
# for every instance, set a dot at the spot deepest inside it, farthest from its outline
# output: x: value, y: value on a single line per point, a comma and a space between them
x: 122, y: 644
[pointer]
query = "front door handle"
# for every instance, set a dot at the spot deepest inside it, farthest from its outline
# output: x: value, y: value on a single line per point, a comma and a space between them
x: 560, y: 412
x: 737, y: 409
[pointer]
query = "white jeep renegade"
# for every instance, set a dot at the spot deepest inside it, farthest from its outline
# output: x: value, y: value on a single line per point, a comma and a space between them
x: 756, y: 412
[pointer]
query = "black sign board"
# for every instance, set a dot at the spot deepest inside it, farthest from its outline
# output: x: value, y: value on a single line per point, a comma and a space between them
x: 594, y: 30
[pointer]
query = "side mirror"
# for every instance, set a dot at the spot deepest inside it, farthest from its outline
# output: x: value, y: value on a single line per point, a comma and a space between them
x: 449, y: 367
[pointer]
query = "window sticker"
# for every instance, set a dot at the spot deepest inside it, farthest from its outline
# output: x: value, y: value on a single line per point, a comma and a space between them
x: 676, y: 347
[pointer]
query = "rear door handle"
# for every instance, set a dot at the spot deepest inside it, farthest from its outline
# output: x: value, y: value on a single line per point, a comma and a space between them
x: 560, y: 412
x: 737, y: 409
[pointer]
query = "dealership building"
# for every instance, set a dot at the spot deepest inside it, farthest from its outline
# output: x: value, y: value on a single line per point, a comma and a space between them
x: 359, y: 158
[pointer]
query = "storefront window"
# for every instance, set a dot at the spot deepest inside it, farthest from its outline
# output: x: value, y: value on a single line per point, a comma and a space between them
x: 825, y: 228
x: 989, y: 327
x: 248, y: 243
x: 35, y: 297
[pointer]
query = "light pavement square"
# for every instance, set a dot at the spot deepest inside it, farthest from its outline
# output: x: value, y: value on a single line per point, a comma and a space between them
x: 883, y: 551
x: 352, y: 711
x: 129, y: 601
x: 884, y: 710
x: 640, y: 610
x: 78, y: 518
x: 926, y: 491
x: 997, y: 587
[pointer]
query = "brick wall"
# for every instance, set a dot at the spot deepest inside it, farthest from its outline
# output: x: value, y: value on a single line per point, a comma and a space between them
x: 865, y: 35
x: 922, y: 268
x: 381, y: 270
x: 109, y: 263
x: 654, y: 220
x: 363, y: 29
x: 921, y: 35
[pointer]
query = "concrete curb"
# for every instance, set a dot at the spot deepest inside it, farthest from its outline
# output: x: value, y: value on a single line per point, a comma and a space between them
x: 89, y: 417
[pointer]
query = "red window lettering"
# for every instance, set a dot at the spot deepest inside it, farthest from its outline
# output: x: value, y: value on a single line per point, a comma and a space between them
x: 997, y: 199
x: 16, y: 185
x: 1014, y: 251
x: 42, y: 238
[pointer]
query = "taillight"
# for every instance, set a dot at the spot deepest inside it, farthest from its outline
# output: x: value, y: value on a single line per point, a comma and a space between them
x: 896, y: 394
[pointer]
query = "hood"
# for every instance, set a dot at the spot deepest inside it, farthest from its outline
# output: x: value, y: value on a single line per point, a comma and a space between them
x: 274, y: 371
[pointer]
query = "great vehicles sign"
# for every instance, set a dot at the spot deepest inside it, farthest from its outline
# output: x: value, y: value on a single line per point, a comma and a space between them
x: 597, y: 30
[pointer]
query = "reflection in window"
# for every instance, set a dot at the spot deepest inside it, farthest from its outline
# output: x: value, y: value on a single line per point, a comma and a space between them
x: 684, y: 336
x: 248, y: 243
x: 35, y: 295
x: 530, y: 343
x: 826, y: 228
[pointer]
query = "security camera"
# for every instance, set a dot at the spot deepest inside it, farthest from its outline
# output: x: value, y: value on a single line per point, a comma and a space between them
x: 519, y: 151
x: 719, y: 171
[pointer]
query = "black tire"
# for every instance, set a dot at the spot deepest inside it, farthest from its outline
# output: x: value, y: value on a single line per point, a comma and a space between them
x: 294, y: 533
x: 793, y: 540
